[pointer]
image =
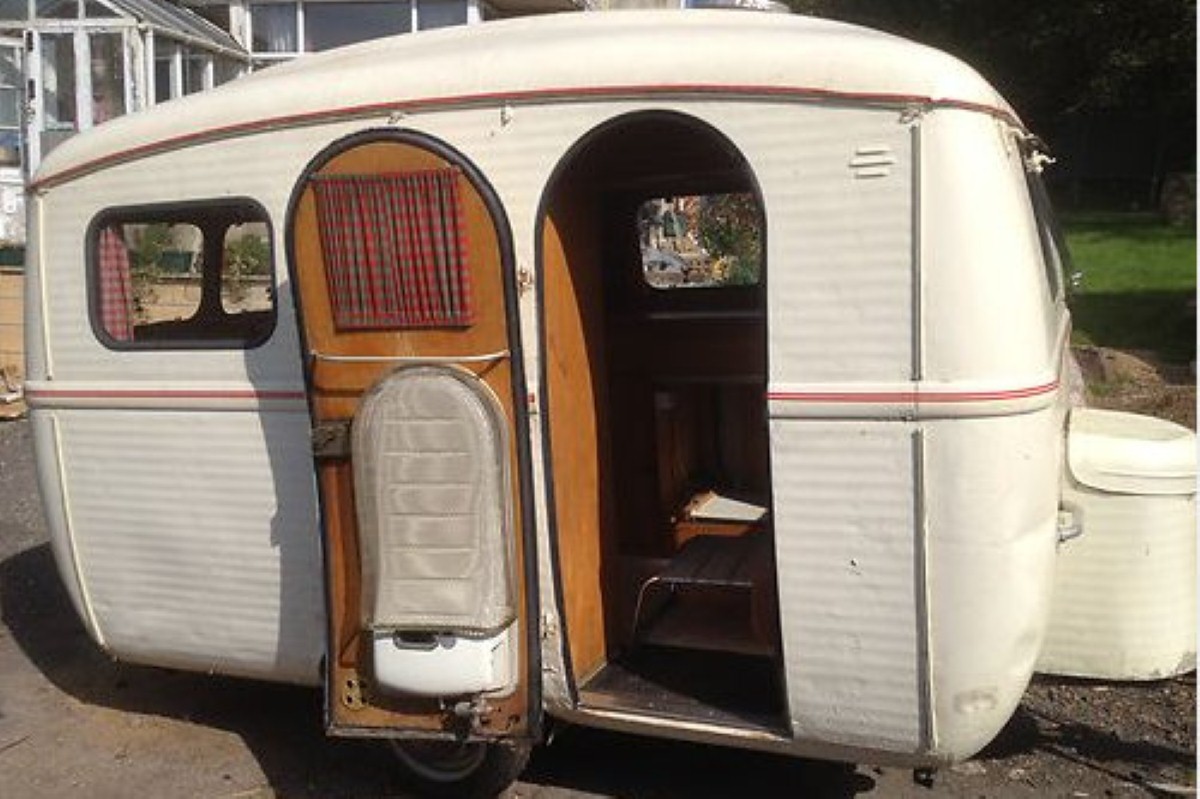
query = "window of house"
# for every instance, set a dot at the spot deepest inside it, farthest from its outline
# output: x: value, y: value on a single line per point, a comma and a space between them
x: 701, y: 240
x: 164, y: 55
x: 274, y: 28
x: 330, y: 25
x: 193, y: 275
x: 285, y: 29
x: 441, y: 13
x: 58, y: 80
x: 57, y: 9
x: 10, y: 106
x: 108, y: 76
x: 197, y: 71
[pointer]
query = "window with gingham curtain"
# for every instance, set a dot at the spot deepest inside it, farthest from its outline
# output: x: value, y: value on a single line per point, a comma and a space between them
x: 395, y: 249
x: 116, y: 285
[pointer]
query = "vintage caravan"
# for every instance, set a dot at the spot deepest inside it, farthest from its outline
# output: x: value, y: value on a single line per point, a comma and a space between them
x: 694, y: 375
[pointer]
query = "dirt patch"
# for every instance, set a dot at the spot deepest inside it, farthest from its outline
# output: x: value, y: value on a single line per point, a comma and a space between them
x: 1138, y: 382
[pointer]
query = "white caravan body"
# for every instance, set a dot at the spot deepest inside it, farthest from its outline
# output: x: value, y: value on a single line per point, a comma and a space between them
x: 910, y: 387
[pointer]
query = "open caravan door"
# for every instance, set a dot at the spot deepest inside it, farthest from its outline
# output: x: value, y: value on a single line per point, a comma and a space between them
x: 402, y: 268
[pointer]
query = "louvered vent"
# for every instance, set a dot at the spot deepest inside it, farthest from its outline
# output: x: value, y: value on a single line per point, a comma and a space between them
x: 874, y: 161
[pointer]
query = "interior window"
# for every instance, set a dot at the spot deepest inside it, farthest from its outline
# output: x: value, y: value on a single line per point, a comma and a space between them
x: 700, y: 241
x: 183, y: 276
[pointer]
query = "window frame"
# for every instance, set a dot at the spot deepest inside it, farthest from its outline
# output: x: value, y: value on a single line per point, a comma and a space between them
x: 265, y: 58
x: 760, y: 227
x: 634, y: 295
x: 186, y: 212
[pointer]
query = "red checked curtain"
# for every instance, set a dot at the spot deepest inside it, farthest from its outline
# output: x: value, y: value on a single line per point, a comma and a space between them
x: 395, y: 249
x: 116, y: 285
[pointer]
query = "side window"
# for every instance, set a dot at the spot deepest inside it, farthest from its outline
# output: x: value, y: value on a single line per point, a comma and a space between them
x: 182, y: 276
x: 701, y: 241
x: 1055, y: 258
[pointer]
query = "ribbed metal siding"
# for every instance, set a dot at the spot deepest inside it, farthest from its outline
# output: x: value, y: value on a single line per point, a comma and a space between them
x: 846, y: 545
x: 196, y: 538
x: 839, y: 244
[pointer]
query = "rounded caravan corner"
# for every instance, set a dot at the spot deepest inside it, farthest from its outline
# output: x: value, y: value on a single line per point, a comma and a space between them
x: 501, y: 226
x: 160, y: 211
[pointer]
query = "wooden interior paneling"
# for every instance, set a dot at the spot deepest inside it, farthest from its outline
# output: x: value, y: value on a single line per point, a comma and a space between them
x: 336, y: 389
x: 575, y: 374
x: 688, y: 394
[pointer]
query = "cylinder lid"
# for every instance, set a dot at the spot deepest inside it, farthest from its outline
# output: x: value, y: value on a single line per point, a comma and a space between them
x: 1130, y: 454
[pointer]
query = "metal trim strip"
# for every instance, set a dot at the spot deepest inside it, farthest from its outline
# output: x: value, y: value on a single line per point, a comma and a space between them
x: 164, y: 398
x: 916, y: 397
x: 928, y: 725
x: 547, y: 95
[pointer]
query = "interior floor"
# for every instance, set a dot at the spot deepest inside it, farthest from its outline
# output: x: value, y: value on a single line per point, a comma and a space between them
x: 713, y: 687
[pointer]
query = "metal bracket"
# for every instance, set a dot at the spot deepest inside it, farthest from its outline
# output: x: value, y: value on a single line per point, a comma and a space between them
x: 471, y: 717
x: 1070, y: 522
x: 912, y: 114
x: 352, y: 694
x: 524, y: 280
x: 331, y: 440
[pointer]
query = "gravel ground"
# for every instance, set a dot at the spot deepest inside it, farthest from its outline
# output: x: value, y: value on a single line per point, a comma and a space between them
x: 75, y: 723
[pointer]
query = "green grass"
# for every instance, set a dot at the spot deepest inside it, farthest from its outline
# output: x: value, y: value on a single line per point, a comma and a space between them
x: 1138, y: 286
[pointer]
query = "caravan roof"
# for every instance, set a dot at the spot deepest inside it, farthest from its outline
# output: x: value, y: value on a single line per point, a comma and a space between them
x: 554, y: 58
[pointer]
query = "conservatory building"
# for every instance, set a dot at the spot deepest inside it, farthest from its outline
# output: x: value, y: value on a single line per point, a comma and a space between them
x: 67, y: 65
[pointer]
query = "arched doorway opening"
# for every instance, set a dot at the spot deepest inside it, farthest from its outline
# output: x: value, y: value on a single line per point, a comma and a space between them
x: 653, y: 277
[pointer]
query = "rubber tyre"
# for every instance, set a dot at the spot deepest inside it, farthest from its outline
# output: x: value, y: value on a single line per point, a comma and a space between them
x: 455, y: 769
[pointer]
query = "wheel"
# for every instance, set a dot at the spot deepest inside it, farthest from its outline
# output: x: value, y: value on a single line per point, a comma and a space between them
x: 470, y: 770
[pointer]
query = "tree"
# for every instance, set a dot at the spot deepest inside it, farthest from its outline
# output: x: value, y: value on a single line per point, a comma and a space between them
x: 1064, y: 65
x: 729, y: 228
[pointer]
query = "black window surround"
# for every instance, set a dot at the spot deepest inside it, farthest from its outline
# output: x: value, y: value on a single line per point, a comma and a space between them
x: 211, y: 327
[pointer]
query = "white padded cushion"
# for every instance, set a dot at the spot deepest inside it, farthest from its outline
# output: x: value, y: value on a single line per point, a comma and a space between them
x: 431, y: 476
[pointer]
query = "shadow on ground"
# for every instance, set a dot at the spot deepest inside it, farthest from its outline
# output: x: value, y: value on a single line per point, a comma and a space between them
x: 625, y: 766
x: 1125, y: 758
x: 280, y: 725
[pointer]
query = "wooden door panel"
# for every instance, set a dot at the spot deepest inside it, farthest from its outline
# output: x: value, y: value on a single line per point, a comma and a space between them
x: 336, y: 387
